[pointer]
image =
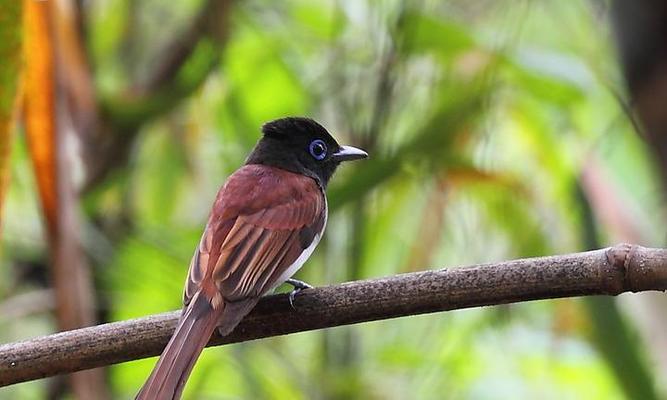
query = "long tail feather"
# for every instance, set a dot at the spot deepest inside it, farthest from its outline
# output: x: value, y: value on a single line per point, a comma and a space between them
x: 175, y: 364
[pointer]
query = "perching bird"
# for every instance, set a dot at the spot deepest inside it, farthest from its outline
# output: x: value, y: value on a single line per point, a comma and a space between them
x: 265, y: 223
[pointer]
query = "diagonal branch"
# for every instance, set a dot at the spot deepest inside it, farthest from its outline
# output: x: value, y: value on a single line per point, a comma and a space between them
x: 610, y: 271
x: 181, y: 69
x: 212, y: 22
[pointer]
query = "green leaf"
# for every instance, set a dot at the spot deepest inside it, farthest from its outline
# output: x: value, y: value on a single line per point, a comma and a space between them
x: 10, y: 53
x: 431, y: 143
x: 426, y: 33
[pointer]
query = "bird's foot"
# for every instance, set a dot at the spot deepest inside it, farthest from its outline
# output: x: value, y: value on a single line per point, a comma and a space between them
x: 298, y: 287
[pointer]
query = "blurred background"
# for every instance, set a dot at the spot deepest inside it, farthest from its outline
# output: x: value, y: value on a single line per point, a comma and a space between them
x: 497, y: 130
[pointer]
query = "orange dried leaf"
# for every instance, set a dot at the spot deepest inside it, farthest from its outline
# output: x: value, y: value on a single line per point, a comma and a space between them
x: 39, y: 104
x: 471, y: 175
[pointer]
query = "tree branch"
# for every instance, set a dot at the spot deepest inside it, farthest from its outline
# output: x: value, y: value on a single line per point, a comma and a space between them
x: 212, y: 21
x: 610, y: 271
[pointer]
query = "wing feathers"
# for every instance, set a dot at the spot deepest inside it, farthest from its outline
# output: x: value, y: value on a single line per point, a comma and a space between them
x: 258, y: 233
x: 239, y: 254
x: 264, y: 282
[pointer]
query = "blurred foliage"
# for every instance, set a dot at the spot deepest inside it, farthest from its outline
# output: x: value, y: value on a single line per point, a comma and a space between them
x: 10, y: 50
x: 479, y: 118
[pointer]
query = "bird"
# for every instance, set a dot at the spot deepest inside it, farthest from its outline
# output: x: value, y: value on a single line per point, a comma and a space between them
x: 265, y: 222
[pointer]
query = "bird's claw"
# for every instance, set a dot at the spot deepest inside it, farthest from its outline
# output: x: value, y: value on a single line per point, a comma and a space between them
x: 298, y: 287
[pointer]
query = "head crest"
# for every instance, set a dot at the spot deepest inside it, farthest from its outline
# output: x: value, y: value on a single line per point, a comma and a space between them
x: 283, y: 127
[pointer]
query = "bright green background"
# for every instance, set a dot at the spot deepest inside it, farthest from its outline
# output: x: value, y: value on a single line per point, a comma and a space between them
x: 492, y: 111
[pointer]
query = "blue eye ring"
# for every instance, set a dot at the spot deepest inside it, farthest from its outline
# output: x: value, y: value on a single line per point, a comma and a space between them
x: 318, y: 149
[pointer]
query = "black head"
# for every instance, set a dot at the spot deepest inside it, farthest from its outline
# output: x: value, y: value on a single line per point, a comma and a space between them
x: 301, y: 145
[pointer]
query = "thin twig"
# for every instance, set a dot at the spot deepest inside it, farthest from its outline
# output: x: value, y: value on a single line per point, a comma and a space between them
x: 610, y: 271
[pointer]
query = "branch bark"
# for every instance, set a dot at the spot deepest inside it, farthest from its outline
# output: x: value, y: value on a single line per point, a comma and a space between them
x: 610, y: 271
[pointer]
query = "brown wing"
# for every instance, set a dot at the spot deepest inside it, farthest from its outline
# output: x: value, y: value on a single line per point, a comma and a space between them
x: 262, y: 221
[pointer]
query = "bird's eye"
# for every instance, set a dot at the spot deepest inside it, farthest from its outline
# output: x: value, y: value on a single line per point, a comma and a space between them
x: 318, y: 149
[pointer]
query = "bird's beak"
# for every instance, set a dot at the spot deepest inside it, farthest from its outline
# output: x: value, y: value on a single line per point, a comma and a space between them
x: 349, y: 153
